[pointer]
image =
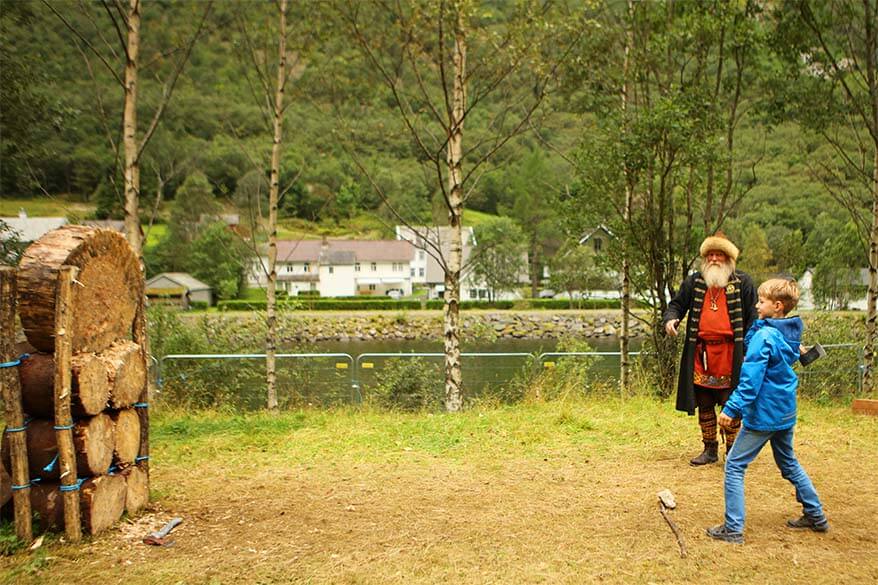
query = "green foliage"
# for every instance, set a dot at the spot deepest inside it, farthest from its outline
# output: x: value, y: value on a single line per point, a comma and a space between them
x: 568, y: 377
x: 497, y: 258
x: 218, y: 258
x: 408, y: 384
x: 11, y: 246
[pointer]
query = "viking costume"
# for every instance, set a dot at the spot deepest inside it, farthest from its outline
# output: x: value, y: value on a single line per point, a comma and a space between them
x: 714, y: 344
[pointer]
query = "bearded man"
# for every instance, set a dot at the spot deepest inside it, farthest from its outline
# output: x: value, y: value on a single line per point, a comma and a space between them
x: 721, y: 303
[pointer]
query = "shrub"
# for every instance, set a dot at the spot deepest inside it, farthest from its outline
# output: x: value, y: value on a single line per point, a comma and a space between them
x: 198, y: 305
x: 408, y: 384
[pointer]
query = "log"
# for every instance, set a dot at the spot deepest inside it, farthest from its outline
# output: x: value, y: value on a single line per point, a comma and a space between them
x: 47, y: 502
x: 63, y: 388
x: 137, y: 484
x: 10, y: 391
x: 104, y: 303
x: 91, y: 387
x: 126, y: 373
x: 101, y: 503
x: 92, y: 440
x: 5, y: 486
x: 126, y: 433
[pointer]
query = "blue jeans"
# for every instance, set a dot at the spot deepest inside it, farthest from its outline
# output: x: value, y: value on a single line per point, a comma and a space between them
x: 745, y: 449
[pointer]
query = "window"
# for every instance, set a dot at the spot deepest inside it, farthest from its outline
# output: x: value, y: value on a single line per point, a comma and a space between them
x: 597, y: 244
x: 332, y: 269
x: 422, y: 255
x: 371, y: 287
x: 374, y: 267
x: 420, y: 272
x: 483, y: 293
x: 288, y: 267
x: 306, y: 267
x: 473, y: 293
x: 357, y: 267
x: 413, y: 271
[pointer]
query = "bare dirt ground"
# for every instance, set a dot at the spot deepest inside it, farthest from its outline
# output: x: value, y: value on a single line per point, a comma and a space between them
x: 572, y: 514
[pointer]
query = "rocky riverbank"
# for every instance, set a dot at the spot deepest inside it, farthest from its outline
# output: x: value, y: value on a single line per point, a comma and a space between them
x: 424, y: 325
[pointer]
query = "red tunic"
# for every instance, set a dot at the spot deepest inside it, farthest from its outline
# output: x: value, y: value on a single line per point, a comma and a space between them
x: 715, y: 346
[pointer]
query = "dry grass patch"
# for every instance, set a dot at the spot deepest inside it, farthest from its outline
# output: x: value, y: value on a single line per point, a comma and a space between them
x: 546, y: 493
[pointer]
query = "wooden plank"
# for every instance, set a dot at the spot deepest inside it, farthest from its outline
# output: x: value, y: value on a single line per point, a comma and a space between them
x: 63, y: 418
x: 865, y: 406
x: 11, y: 391
x: 139, y: 336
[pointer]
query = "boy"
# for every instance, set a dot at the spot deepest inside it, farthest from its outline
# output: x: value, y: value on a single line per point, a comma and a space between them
x: 766, y: 400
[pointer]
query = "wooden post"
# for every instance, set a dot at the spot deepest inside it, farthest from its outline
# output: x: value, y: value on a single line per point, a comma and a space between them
x: 63, y: 419
x: 11, y: 391
x: 140, y: 338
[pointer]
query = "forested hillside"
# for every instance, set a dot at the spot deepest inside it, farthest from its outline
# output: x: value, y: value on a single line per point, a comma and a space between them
x: 347, y: 151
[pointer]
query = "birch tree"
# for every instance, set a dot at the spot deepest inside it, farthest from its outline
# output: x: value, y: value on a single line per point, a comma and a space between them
x: 442, y: 63
x: 830, y: 86
x: 122, y: 23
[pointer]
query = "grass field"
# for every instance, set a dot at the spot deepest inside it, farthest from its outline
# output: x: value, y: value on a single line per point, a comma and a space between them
x: 45, y: 207
x: 542, y: 493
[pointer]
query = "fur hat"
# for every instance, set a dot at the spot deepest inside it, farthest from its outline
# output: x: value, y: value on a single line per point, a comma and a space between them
x: 720, y: 242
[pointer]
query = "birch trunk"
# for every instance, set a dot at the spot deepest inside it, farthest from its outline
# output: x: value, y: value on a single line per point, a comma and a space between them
x: 871, y: 312
x: 453, y: 378
x: 129, y: 130
x: 624, y: 363
x: 273, y: 195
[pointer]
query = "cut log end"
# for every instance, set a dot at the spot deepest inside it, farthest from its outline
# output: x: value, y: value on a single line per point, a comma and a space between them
x: 126, y: 373
x: 105, y: 300
x: 90, y: 385
x: 126, y: 432
x: 137, y: 481
x: 102, y: 502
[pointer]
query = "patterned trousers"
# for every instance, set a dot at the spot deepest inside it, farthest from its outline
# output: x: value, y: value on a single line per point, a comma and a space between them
x: 707, y: 399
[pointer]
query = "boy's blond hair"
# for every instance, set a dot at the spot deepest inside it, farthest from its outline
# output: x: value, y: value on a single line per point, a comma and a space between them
x: 783, y: 290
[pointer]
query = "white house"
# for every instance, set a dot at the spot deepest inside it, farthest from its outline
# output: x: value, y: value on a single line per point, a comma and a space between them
x: 31, y: 229
x: 427, y: 270
x: 806, y: 296
x: 339, y: 268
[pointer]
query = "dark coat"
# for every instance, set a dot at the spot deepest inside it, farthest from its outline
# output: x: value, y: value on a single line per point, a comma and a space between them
x: 741, y: 298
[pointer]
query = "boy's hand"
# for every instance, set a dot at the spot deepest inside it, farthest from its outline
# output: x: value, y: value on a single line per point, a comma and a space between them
x: 724, y: 420
x: 671, y: 327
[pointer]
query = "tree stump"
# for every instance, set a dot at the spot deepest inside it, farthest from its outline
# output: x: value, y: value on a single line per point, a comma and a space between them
x: 102, y: 502
x: 137, y: 483
x: 126, y: 431
x: 126, y: 373
x: 104, y: 303
x: 91, y: 388
x: 92, y: 439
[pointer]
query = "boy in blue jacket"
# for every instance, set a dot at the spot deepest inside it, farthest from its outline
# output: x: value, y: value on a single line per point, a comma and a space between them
x: 765, y: 399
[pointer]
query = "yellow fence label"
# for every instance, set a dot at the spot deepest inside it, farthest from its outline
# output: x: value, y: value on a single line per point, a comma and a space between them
x: 367, y: 365
x: 548, y: 364
x: 341, y: 366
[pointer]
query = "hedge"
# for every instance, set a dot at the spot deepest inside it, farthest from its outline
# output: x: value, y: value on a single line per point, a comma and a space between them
x: 380, y: 304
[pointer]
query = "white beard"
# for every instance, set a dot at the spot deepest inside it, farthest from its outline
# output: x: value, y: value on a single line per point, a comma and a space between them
x: 716, y: 276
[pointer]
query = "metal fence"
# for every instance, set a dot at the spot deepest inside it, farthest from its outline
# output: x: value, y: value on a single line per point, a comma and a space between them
x: 326, y: 379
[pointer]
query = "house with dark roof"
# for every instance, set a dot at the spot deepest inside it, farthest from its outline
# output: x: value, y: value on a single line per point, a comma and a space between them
x: 177, y: 288
x: 337, y: 268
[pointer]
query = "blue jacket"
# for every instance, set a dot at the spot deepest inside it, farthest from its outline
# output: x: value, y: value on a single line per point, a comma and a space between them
x: 765, y: 397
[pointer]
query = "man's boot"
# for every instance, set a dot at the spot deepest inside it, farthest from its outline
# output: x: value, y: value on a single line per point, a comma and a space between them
x: 707, y: 456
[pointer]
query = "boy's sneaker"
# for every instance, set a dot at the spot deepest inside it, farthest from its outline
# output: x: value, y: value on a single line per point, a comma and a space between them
x: 720, y: 532
x: 815, y: 524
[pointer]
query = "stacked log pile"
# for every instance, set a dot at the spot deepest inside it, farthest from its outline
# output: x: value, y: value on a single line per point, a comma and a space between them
x: 107, y: 373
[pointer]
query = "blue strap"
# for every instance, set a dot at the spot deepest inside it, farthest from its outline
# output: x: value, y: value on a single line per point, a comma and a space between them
x: 140, y: 405
x: 48, y: 468
x: 23, y: 427
x: 14, y: 363
x: 63, y: 427
x: 141, y: 458
x: 74, y: 487
x: 113, y: 469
